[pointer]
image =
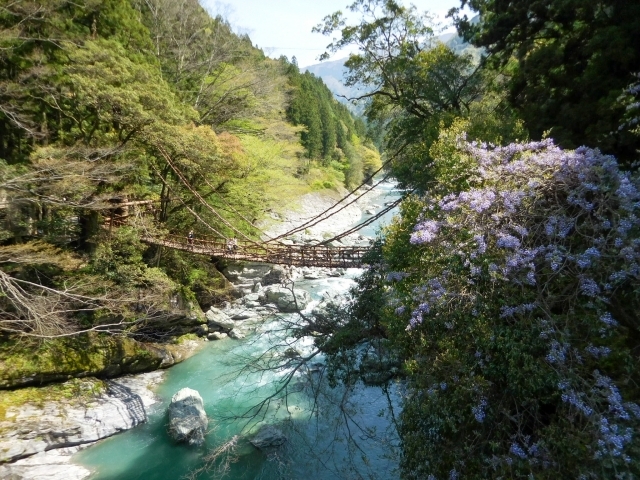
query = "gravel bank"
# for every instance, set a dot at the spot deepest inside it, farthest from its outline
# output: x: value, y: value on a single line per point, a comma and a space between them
x: 313, y: 204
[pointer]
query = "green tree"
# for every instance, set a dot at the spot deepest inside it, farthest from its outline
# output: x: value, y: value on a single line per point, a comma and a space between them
x: 567, y: 62
x: 413, y: 83
x: 217, y: 72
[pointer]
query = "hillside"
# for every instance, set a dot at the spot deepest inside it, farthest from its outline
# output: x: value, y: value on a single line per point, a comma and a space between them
x: 122, y: 119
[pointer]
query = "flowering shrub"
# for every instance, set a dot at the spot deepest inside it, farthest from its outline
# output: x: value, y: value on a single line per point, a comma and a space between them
x: 515, y: 305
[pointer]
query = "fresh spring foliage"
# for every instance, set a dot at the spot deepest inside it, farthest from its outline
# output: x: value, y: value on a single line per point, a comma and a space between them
x: 513, y: 303
x: 332, y: 137
x: 150, y: 113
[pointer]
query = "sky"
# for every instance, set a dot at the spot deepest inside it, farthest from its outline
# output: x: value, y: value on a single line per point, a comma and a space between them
x: 283, y: 27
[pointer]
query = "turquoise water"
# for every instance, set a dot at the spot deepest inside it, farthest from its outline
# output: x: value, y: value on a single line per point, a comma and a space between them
x: 332, y: 433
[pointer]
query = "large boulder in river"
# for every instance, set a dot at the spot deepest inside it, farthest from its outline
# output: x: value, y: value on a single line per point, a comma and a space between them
x: 187, y: 418
x: 323, y: 310
x: 287, y: 299
x: 277, y: 275
x: 217, y: 318
x: 268, y: 437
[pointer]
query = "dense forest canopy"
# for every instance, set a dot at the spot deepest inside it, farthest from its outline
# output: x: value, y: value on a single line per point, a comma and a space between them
x: 109, y: 104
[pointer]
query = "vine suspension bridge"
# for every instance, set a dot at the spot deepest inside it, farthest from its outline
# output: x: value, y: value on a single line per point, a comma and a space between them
x: 271, y: 250
x: 276, y: 253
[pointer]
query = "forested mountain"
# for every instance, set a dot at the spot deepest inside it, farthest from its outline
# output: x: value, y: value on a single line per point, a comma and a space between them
x: 113, y: 104
x: 332, y: 74
x: 332, y: 134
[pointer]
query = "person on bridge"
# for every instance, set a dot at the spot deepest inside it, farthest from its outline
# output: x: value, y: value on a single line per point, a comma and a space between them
x: 190, y: 237
x: 232, y: 245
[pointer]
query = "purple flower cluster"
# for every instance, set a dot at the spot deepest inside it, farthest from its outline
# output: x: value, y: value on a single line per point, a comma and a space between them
x: 598, y: 352
x: 479, y: 410
x: 608, y: 320
x: 508, y: 241
x: 396, y: 276
x: 558, y: 231
x: 478, y: 200
x: 589, y: 287
x: 613, y: 439
x: 512, y: 199
x: 517, y: 310
x: 576, y: 399
x: 585, y: 259
x: 517, y: 450
x: 417, y: 315
x: 559, y: 226
x: 482, y: 245
x: 557, y: 353
x: 424, y: 232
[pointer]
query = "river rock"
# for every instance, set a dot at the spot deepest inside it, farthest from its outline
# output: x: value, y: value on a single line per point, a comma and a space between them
x: 245, y: 272
x: 256, y: 287
x: 286, y: 299
x: 252, y: 297
x: 217, y: 318
x: 202, y: 330
x: 51, y: 465
x: 322, y: 310
x: 187, y: 418
x: 236, y: 334
x: 31, y: 429
x: 268, y: 437
x: 217, y: 336
x: 245, y: 315
x: 277, y: 275
x: 311, y: 273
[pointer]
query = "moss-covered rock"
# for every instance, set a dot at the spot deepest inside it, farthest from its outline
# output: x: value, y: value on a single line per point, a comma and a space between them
x: 24, y: 363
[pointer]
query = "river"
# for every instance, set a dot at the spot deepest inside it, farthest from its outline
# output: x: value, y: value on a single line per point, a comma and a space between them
x: 332, y: 433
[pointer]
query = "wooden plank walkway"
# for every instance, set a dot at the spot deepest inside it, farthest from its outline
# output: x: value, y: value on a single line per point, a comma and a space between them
x: 298, y: 255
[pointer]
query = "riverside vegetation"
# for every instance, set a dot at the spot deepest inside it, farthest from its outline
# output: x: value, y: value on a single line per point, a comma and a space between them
x: 98, y: 99
x: 506, y: 289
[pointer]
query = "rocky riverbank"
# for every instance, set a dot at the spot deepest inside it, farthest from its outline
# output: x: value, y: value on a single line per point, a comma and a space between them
x: 313, y: 204
x: 42, y: 427
x: 41, y: 435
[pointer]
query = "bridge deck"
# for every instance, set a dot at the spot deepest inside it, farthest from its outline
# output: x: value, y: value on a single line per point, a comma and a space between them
x: 298, y: 255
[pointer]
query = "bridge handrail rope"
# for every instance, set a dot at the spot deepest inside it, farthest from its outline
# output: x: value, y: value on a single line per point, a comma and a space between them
x: 365, y: 181
x: 363, y: 224
x: 321, y: 218
x: 198, y: 196
x: 163, y: 180
x: 269, y: 238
